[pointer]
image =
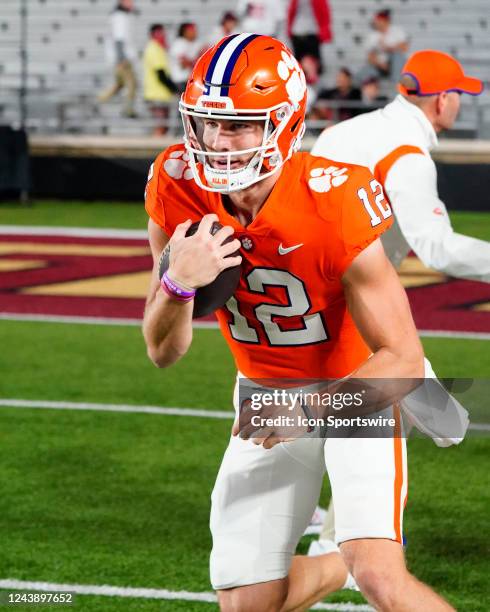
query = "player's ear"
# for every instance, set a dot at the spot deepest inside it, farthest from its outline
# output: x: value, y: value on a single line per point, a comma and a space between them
x: 441, y: 101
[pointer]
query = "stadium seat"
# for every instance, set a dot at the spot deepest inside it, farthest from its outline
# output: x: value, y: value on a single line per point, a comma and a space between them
x: 66, y: 43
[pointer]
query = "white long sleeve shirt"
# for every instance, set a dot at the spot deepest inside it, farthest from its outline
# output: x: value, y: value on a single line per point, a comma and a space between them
x: 261, y: 16
x: 121, y: 30
x: 394, y: 143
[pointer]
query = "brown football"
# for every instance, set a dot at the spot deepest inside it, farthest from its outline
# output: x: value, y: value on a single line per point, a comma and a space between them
x: 213, y: 296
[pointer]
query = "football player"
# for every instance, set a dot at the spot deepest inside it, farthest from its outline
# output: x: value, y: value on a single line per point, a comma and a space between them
x: 394, y: 143
x: 317, y: 298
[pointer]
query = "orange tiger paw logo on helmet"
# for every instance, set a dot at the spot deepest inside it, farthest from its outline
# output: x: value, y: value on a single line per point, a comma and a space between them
x: 177, y: 165
x: 290, y: 71
x: 323, y: 179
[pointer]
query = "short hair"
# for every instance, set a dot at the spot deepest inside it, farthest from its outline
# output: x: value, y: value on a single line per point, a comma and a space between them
x: 183, y: 27
x: 346, y: 71
x: 155, y: 27
x: 228, y: 16
x: 383, y: 14
x: 411, y: 93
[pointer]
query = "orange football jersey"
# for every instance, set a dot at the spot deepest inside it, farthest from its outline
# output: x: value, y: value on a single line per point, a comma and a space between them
x: 288, y: 317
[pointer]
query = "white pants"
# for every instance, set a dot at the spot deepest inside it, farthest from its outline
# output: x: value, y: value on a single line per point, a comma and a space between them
x: 264, y: 499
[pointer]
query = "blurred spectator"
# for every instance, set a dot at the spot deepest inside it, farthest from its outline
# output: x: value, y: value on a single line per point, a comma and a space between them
x: 261, y: 16
x: 308, y: 28
x: 385, y: 47
x: 344, y: 91
x: 159, y: 89
x: 121, y: 54
x: 310, y: 68
x: 184, y: 52
x: 371, y: 95
x: 227, y: 26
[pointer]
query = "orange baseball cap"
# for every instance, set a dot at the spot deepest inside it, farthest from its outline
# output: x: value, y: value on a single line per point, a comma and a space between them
x: 435, y: 72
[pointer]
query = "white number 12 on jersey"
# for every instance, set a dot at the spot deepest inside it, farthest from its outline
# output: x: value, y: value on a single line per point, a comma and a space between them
x: 379, y: 201
x: 258, y: 279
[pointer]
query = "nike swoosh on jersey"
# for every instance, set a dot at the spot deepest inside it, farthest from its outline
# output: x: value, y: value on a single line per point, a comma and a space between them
x: 285, y: 250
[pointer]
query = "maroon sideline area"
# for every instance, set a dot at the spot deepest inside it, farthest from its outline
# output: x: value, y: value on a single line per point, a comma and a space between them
x: 443, y: 306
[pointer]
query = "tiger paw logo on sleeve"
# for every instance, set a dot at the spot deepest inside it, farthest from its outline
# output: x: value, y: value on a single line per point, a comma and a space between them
x: 323, y: 179
x: 177, y: 165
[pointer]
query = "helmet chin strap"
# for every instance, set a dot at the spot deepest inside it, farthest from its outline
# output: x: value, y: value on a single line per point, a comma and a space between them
x: 230, y: 180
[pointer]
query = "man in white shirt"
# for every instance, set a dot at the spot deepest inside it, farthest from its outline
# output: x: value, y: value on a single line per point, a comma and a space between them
x: 385, y: 47
x: 121, y: 53
x: 183, y: 53
x: 261, y: 16
x: 394, y: 143
x: 228, y: 26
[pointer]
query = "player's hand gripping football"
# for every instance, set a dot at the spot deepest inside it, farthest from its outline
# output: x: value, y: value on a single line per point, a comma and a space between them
x: 195, y: 261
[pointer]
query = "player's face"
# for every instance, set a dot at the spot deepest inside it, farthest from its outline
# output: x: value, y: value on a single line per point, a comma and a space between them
x: 223, y: 136
x: 449, y: 109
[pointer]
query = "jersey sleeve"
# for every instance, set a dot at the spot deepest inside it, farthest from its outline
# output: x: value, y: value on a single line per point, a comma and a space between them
x: 171, y: 194
x: 153, y: 193
x: 365, y: 214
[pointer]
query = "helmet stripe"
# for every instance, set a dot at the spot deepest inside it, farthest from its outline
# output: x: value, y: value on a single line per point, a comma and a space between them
x: 221, y: 59
x: 232, y: 61
x: 209, y: 73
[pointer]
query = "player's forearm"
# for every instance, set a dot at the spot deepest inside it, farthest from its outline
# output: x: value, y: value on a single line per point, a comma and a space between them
x: 383, y: 380
x: 404, y: 361
x: 380, y: 309
x: 397, y: 365
x: 389, y: 331
x: 167, y: 329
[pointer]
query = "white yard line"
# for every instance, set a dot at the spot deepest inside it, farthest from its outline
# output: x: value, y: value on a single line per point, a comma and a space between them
x: 78, y: 232
x: 162, y: 410
x: 434, y: 333
x: 128, y: 408
x: 42, y: 318
x: 480, y: 426
x: 140, y: 593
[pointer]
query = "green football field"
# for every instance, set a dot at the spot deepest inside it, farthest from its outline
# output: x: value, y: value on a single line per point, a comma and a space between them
x: 93, y: 497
